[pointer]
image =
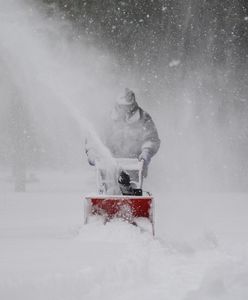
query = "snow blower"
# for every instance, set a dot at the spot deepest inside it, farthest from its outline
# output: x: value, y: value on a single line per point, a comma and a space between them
x: 131, y: 204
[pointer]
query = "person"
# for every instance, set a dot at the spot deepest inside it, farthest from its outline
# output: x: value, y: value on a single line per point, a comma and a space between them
x: 130, y: 133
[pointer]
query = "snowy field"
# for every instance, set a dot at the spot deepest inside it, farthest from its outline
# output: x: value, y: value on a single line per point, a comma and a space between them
x: 199, y: 252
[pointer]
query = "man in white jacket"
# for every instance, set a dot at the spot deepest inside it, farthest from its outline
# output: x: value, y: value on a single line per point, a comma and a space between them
x: 130, y: 133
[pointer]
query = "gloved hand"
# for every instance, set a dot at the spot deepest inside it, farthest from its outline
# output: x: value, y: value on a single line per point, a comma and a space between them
x: 91, y: 158
x: 145, y: 155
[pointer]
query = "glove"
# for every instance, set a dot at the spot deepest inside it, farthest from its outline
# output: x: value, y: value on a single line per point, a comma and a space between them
x: 91, y: 158
x: 146, y: 156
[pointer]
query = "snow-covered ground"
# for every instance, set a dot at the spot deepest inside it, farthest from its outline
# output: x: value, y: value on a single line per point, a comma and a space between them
x: 200, y: 250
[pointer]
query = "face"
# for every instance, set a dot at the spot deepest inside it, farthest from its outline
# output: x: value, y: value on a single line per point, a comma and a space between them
x: 126, y: 110
x: 129, y: 97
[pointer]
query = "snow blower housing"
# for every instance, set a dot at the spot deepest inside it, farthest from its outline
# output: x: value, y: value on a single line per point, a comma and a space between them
x: 132, y: 205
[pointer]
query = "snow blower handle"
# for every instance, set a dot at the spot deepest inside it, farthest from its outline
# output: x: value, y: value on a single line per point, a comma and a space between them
x: 141, y: 170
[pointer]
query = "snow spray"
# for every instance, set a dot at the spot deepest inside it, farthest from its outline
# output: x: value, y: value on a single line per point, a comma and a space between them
x: 59, y: 79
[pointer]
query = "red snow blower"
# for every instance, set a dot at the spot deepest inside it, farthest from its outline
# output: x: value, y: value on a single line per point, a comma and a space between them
x: 131, y: 204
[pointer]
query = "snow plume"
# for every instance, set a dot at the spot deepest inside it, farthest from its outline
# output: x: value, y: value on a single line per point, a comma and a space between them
x: 202, y: 122
x: 54, y: 85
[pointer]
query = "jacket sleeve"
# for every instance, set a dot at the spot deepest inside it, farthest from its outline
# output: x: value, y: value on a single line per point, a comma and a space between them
x: 151, y: 141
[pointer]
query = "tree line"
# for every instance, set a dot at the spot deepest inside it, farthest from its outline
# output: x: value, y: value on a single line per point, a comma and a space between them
x: 146, y: 34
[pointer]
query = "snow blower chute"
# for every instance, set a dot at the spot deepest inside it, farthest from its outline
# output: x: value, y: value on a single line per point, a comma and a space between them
x: 131, y: 204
